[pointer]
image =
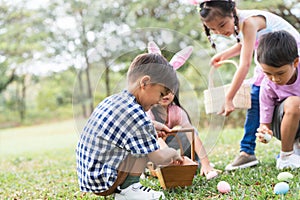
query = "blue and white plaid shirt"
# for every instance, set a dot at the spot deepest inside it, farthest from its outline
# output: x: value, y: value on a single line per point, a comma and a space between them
x: 117, y: 127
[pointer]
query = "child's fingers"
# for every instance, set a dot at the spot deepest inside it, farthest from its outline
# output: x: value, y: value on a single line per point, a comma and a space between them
x: 263, y: 137
x: 179, y: 158
x: 259, y: 135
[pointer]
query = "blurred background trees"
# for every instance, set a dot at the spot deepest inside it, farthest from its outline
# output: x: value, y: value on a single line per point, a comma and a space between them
x: 60, y: 58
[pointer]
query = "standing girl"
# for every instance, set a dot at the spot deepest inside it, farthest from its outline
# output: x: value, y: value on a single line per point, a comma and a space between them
x: 223, y: 18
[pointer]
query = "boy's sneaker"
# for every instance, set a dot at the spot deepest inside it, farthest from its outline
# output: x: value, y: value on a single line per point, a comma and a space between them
x: 137, y: 192
x: 297, y: 146
x: 242, y: 161
x: 292, y: 161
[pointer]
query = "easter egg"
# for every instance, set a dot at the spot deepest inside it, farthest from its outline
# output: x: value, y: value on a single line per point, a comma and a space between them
x: 267, y: 137
x: 281, y: 188
x: 285, y: 176
x: 175, y: 128
x: 223, y: 187
x: 211, y: 174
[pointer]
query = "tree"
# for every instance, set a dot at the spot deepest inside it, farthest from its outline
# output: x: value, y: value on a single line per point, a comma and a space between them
x: 21, y: 38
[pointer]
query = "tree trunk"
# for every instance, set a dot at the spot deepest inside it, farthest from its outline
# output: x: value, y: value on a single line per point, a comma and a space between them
x: 21, y: 98
x: 4, y: 85
x: 89, y: 87
x: 81, y: 95
x: 87, y: 70
x: 107, y: 80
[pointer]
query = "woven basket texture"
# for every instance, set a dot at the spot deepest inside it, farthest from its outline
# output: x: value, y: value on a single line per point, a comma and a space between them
x: 214, y: 97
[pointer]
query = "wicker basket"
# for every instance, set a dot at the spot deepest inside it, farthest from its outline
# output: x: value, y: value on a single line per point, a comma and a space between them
x: 214, y: 97
x: 171, y: 176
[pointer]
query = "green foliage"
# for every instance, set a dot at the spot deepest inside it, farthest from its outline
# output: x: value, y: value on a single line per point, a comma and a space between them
x: 103, y: 35
x: 22, y: 36
x: 57, y: 91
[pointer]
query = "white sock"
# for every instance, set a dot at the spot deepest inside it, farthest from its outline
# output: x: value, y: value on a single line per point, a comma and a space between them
x: 297, y: 143
x: 285, y: 155
x: 297, y: 146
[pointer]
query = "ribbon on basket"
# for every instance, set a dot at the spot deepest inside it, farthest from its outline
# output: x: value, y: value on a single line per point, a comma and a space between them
x: 214, y: 97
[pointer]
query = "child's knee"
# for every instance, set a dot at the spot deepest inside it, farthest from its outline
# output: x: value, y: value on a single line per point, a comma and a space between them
x: 292, y: 106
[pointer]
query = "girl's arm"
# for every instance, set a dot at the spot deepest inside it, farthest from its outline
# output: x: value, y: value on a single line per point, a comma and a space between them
x: 199, y: 147
x: 249, y: 29
x: 226, y: 54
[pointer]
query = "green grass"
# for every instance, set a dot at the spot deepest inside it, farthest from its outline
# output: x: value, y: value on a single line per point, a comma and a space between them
x: 39, y: 163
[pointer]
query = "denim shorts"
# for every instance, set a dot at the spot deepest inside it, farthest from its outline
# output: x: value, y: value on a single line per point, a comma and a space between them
x: 276, y: 122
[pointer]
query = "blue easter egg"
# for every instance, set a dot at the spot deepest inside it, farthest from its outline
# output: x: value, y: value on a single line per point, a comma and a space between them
x: 281, y: 188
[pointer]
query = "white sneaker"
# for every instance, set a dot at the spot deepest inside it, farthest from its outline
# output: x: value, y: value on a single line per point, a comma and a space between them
x: 137, y: 192
x: 297, y: 146
x: 292, y: 161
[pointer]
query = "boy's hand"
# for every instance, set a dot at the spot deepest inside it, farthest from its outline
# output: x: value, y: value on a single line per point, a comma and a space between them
x: 264, y: 134
x: 161, y: 134
x: 177, y: 160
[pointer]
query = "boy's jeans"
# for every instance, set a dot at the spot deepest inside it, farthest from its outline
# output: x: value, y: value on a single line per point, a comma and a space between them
x: 248, y: 143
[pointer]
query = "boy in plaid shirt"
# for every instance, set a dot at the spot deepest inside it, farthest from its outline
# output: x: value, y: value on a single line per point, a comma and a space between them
x: 119, y: 139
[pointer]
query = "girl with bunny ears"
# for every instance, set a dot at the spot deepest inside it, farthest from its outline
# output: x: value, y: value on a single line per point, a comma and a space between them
x: 223, y: 18
x: 169, y: 114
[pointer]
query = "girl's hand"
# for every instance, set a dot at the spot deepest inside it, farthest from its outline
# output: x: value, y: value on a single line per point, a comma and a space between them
x: 205, y: 169
x: 215, y: 60
x: 227, y: 108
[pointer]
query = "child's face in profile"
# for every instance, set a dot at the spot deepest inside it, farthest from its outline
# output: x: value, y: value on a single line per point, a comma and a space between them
x: 283, y: 75
x: 221, y: 25
x: 167, y: 100
x: 152, y: 94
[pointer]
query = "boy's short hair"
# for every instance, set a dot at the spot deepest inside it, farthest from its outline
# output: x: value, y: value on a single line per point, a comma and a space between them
x: 277, y: 49
x: 157, y: 67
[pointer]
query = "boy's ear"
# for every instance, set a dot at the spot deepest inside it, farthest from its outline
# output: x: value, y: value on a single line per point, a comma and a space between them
x: 180, y: 57
x: 153, y: 48
x: 296, y: 62
x: 145, y: 80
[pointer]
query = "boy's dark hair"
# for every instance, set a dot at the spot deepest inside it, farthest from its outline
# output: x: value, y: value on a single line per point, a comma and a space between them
x: 277, y: 49
x: 157, y: 67
x: 225, y: 8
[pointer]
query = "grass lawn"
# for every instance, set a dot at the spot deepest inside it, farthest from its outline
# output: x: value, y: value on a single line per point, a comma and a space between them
x: 39, y: 163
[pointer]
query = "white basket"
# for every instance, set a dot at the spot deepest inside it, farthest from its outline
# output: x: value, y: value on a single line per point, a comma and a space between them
x: 214, y: 97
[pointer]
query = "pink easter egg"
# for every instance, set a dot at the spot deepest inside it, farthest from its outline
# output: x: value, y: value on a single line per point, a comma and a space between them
x: 223, y: 187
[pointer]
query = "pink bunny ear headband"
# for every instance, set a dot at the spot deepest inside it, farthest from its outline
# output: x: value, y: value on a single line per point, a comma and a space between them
x: 178, y: 59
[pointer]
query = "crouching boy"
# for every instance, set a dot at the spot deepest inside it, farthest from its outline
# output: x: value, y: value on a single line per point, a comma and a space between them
x: 119, y: 139
x: 278, y: 55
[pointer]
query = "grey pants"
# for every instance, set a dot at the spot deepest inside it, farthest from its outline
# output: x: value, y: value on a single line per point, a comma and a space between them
x: 276, y: 122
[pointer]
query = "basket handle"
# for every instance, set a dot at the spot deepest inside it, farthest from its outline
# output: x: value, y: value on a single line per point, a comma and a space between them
x: 189, y: 130
x: 212, y: 70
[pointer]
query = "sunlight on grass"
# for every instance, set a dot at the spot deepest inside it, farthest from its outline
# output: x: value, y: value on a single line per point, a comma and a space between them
x: 38, y: 138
